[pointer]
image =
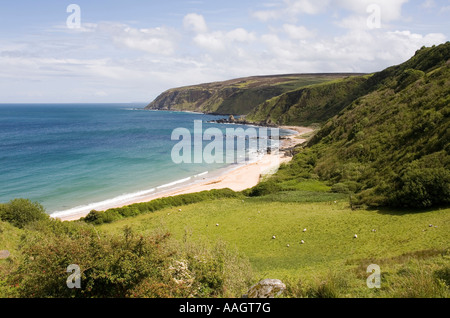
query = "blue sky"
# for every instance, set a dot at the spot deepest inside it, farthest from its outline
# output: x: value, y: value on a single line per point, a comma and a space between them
x: 126, y: 51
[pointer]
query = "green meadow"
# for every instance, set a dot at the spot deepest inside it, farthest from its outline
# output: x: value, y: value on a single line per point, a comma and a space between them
x: 392, y: 239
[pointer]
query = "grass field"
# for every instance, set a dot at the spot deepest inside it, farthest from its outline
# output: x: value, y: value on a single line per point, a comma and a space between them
x: 410, y: 247
x: 403, y: 244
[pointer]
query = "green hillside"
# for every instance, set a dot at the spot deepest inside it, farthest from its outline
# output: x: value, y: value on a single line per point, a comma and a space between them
x: 311, y: 104
x: 237, y: 96
x: 390, y: 146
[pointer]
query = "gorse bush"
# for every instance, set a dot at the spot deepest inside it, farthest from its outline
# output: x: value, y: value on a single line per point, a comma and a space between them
x: 20, y: 212
x: 127, y: 265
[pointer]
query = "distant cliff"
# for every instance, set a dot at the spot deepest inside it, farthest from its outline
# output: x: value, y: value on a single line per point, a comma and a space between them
x: 238, y: 96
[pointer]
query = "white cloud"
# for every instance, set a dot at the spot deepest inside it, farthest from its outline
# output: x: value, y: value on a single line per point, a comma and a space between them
x: 390, y: 9
x: 298, y: 32
x: 291, y: 8
x: 306, y: 6
x: 195, y: 22
x: 240, y: 35
x: 210, y: 41
x: 220, y: 40
x: 157, y: 40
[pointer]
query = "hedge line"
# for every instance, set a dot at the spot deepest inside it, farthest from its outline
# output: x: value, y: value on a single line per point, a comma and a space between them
x: 111, y: 215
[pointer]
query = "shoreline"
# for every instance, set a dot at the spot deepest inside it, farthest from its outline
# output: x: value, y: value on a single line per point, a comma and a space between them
x: 235, y: 178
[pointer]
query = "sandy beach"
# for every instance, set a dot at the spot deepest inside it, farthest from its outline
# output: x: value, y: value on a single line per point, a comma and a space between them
x: 238, y: 179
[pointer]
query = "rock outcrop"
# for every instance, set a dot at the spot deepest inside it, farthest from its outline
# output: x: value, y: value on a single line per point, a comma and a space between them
x: 267, y: 288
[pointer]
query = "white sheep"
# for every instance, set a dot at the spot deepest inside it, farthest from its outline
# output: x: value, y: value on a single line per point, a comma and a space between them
x: 303, y: 242
x: 304, y: 230
x: 356, y: 236
x: 273, y: 237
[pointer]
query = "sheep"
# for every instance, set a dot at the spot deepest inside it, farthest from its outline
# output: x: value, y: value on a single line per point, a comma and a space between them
x: 304, y: 230
x: 273, y: 237
x: 303, y: 242
x: 355, y: 236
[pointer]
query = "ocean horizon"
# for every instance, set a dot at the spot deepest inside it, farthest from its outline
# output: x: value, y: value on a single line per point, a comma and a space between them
x: 76, y: 156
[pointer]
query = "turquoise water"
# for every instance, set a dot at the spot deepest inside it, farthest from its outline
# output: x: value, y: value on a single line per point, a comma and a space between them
x: 72, y: 155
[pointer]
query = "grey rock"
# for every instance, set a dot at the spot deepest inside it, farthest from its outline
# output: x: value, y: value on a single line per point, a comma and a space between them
x: 267, y: 288
x: 4, y: 254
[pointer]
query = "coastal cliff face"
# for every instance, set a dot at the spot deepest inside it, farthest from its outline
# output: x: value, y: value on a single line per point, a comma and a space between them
x: 238, y: 96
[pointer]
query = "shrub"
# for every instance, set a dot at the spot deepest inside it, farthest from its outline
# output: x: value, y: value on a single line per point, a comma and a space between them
x: 111, y: 215
x: 340, y: 188
x: 265, y: 188
x: 422, y: 187
x: 127, y: 265
x: 20, y: 212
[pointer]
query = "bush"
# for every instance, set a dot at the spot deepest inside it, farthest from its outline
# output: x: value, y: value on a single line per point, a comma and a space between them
x: 123, y: 266
x: 422, y: 187
x: 340, y: 188
x: 111, y: 215
x: 265, y: 188
x: 20, y: 212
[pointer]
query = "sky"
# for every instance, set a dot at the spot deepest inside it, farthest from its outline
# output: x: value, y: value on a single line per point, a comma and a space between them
x: 106, y: 51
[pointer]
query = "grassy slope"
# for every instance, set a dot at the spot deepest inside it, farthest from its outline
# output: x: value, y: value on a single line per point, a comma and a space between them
x: 9, y: 237
x: 393, y: 143
x: 237, y: 96
x: 311, y: 104
x: 389, y: 146
x: 329, y: 243
x: 9, y: 240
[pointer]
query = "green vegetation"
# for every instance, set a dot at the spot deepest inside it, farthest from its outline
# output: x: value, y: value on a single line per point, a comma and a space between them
x: 123, y: 265
x: 238, y: 96
x: 372, y: 186
x: 311, y: 104
x: 20, y: 212
x: 388, y: 147
x: 111, y: 215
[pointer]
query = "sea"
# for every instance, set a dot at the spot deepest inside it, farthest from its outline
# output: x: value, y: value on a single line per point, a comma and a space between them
x: 69, y: 157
